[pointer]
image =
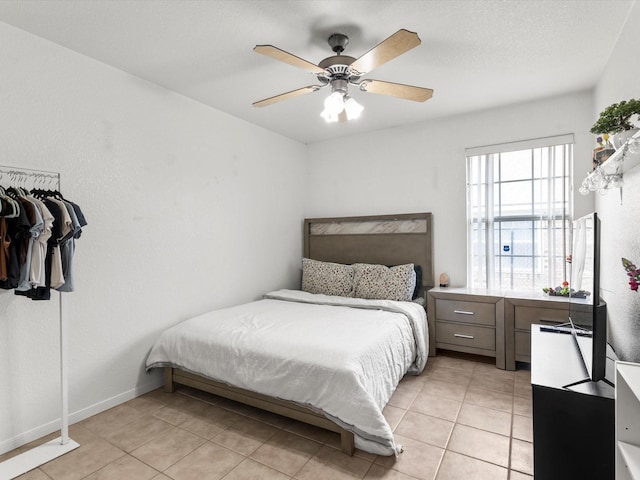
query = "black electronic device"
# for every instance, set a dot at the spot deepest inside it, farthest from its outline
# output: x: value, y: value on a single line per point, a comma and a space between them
x: 588, y: 313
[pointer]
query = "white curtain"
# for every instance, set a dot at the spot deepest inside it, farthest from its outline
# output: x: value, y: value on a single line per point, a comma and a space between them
x: 519, y: 213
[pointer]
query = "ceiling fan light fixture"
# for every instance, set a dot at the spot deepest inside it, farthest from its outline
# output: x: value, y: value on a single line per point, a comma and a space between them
x: 329, y: 117
x: 334, y: 102
x: 333, y: 105
x: 352, y: 108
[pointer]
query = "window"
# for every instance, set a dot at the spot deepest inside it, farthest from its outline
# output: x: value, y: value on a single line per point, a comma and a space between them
x: 518, y: 213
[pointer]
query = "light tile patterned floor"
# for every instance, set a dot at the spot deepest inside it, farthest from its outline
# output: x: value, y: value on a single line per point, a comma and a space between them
x: 462, y: 418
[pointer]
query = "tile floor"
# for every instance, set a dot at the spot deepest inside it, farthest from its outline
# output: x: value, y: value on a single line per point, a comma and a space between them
x: 462, y: 418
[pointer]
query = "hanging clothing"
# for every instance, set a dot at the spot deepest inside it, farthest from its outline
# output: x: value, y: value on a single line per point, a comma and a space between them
x: 39, y: 252
x: 17, y: 228
x: 36, y: 223
x: 5, y: 244
x: 56, y: 279
x: 68, y: 250
x: 38, y: 231
x: 68, y: 222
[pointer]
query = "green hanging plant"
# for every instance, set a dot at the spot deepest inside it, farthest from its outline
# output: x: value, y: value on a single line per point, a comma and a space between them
x: 617, y: 117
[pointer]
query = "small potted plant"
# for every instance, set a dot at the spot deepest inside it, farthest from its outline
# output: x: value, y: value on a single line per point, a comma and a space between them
x: 616, y: 121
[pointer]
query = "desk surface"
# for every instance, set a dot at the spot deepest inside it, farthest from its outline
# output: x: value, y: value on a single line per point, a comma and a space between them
x: 557, y: 363
x: 535, y: 295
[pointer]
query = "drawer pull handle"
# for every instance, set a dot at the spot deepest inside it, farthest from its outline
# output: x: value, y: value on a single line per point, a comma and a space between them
x: 461, y: 335
x: 463, y: 312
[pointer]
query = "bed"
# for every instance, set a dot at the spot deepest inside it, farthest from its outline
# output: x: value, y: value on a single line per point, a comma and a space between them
x: 328, y: 360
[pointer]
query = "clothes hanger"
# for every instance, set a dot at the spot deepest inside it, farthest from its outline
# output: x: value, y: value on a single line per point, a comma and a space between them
x: 15, y: 208
x: 2, y: 197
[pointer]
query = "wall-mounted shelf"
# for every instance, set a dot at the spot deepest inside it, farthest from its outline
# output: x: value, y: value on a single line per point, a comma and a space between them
x: 627, y: 421
x: 610, y: 173
x: 631, y: 457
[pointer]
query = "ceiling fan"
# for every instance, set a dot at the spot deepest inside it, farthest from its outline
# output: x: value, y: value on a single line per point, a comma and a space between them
x: 340, y: 71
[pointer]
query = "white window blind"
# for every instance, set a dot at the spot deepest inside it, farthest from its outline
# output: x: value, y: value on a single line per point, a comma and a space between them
x: 519, y: 213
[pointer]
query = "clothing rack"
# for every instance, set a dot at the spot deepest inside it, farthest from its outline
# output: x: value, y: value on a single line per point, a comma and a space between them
x: 46, y: 452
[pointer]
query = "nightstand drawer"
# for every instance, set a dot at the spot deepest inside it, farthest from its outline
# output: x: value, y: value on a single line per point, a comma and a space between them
x: 466, y: 335
x: 525, y: 316
x: 466, y: 312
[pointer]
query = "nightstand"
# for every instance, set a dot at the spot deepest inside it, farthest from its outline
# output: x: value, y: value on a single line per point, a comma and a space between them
x: 521, y: 311
x: 467, y: 320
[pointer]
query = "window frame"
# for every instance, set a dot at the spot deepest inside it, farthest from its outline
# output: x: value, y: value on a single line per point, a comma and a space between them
x: 484, y: 186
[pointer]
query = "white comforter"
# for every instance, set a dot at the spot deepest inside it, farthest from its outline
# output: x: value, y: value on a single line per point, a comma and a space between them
x: 315, y: 350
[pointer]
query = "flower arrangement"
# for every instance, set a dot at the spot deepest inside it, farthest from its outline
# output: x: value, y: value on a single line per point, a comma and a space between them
x: 562, y: 291
x: 565, y: 291
x: 633, y: 273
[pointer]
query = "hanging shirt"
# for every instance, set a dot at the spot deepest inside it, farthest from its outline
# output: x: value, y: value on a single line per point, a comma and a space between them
x: 39, y: 251
x: 81, y: 220
x: 56, y: 277
x: 67, y: 233
x: 68, y: 250
x: 44, y: 292
x: 18, y: 229
x: 37, y: 223
x: 5, y: 245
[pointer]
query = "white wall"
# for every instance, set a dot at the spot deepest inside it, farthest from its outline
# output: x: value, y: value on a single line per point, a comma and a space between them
x: 188, y: 209
x: 421, y: 167
x: 621, y: 220
x: 162, y: 178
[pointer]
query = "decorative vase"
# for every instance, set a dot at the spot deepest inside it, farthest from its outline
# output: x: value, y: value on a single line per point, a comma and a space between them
x: 619, y: 139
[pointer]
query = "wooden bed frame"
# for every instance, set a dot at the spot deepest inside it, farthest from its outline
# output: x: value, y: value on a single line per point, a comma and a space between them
x: 173, y: 376
x: 381, y: 239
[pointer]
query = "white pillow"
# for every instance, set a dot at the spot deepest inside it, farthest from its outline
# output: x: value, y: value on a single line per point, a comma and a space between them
x: 327, y: 278
x: 379, y: 282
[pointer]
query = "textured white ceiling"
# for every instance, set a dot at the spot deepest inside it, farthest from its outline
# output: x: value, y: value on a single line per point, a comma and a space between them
x: 475, y: 54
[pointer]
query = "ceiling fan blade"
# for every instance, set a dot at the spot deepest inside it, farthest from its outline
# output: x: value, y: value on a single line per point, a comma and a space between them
x: 400, y: 42
x: 284, y: 96
x: 408, y: 92
x: 286, y: 57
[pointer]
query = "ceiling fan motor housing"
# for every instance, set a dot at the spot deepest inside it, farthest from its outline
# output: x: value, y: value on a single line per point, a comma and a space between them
x: 339, y: 85
x: 337, y: 65
x: 338, y: 42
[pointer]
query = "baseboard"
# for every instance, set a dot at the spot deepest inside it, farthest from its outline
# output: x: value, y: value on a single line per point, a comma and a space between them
x: 75, y: 417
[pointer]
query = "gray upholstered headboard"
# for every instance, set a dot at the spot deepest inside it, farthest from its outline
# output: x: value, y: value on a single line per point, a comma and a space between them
x: 380, y: 239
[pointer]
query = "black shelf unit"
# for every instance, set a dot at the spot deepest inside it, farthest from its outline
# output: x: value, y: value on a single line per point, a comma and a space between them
x: 573, y: 420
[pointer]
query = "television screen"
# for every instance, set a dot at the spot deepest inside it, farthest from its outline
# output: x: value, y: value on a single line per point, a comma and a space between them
x: 587, y: 314
x: 584, y: 281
